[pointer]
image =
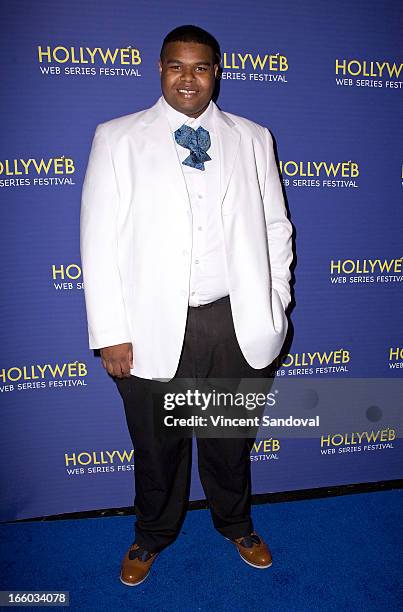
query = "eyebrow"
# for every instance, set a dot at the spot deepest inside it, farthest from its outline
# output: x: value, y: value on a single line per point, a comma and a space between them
x: 200, y: 63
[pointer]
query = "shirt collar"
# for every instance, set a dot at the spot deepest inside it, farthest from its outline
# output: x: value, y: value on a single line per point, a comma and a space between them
x: 177, y: 119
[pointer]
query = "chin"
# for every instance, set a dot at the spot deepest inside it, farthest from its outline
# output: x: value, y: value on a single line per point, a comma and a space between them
x: 189, y: 109
x: 186, y: 110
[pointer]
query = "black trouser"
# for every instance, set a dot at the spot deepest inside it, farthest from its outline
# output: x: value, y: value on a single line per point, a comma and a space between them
x: 162, y: 463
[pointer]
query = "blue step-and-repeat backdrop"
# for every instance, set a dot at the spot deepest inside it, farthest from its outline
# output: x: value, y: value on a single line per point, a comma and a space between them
x: 327, y: 80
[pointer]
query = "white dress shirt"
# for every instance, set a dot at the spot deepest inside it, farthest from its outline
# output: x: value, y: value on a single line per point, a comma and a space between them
x: 208, y: 276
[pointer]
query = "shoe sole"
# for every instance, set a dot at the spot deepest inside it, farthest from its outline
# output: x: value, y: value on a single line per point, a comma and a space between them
x: 133, y: 584
x: 248, y: 562
x: 253, y: 565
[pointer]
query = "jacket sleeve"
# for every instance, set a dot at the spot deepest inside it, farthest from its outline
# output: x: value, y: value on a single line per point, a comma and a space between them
x: 106, y: 316
x: 279, y: 228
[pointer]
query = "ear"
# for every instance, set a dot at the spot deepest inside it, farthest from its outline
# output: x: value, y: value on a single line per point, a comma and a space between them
x: 160, y: 66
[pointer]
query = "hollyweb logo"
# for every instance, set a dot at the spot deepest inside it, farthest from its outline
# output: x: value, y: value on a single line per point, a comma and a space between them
x: 43, y: 376
x: 395, y: 357
x: 357, y: 442
x: 89, y: 61
x: 37, y: 172
x: 98, y: 462
x: 325, y: 174
x: 313, y: 363
x: 366, y: 271
x: 379, y: 74
x: 269, y: 68
x: 67, y: 277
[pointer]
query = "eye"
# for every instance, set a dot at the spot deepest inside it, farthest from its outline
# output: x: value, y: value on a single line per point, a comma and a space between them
x: 201, y: 68
x: 175, y: 67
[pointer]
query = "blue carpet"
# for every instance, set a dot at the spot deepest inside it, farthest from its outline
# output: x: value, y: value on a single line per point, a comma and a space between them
x: 340, y: 553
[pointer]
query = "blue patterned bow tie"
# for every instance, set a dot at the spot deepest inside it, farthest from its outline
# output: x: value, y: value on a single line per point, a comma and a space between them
x: 197, y: 141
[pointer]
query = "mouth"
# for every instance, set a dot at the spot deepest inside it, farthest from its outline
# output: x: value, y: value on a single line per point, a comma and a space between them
x: 187, y: 94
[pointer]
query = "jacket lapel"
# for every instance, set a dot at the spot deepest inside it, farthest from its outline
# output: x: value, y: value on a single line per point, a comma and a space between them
x: 228, y: 140
x: 163, y: 149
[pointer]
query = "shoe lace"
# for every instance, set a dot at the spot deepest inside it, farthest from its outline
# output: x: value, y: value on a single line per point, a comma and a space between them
x: 250, y: 540
x: 140, y: 553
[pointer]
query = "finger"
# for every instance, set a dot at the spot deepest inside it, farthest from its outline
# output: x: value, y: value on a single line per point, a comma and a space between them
x: 125, y: 368
x: 114, y: 369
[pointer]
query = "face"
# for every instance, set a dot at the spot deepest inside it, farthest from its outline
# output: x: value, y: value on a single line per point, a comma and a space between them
x: 188, y: 74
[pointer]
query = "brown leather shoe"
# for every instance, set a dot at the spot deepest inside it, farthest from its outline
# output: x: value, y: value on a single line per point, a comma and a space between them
x: 254, y: 551
x: 136, y: 565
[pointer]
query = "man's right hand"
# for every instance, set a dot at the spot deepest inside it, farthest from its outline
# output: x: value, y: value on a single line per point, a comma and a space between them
x: 118, y: 359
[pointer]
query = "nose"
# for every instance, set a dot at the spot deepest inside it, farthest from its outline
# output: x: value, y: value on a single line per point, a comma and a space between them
x: 187, y: 75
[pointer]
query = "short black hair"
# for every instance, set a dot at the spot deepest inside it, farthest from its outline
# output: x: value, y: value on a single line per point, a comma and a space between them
x: 192, y: 33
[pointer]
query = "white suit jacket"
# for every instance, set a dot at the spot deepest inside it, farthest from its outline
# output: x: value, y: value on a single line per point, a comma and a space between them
x: 136, y: 239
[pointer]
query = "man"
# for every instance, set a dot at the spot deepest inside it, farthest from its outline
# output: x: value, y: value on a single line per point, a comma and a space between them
x: 186, y: 249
